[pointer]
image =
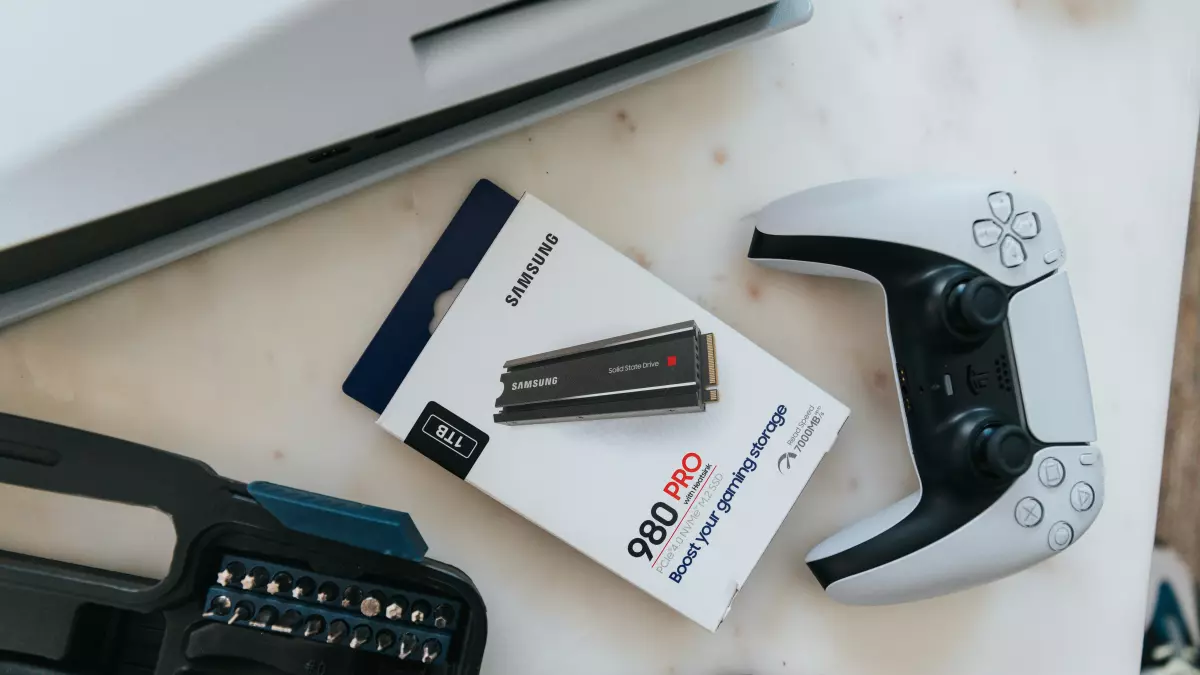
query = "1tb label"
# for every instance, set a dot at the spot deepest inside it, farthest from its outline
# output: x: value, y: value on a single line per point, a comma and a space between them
x: 448, y: 435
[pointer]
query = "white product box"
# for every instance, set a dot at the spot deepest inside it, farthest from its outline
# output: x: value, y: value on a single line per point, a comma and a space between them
x: 681, y: 505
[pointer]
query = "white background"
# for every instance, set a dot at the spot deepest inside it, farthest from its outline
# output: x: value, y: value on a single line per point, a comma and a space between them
x: 236, y: 356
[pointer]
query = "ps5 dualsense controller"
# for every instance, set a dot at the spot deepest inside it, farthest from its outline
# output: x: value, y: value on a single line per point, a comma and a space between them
x: 989, y: 370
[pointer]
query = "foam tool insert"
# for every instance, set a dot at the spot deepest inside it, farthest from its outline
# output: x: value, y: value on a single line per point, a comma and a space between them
x: 264, y: 578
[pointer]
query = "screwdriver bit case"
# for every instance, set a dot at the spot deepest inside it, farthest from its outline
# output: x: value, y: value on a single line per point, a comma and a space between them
x: 63, y: 619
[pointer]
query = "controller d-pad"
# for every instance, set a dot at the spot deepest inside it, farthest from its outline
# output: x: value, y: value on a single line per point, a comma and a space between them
x: 1012, y: 253
x: 1026, y: 225
x: 1001, y: 204
x: 987, y: 233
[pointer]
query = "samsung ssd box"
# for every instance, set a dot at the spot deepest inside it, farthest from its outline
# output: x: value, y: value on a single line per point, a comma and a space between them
x: 562, y: 359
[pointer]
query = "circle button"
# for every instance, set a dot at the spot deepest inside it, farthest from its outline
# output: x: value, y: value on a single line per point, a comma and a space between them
x: 1061, y: 536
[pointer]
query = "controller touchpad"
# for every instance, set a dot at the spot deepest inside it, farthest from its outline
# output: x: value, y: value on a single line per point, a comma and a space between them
x: 1050, y: 364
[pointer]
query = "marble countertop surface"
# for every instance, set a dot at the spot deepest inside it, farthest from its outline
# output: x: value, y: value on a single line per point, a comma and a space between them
x: 236, y: 356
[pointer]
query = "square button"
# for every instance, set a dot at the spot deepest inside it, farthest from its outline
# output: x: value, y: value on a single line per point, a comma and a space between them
x: 1051, y: 472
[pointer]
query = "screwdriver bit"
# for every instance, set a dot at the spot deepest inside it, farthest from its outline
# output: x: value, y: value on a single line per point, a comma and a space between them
x: 327, y: 592
x: 352, y: 597
x: 372, y: 605
x: 361, y: 636
x: 288, y: 622
x: 314, y: 625
x: 430, y: 650
x: 395, y: 611
x: 265, y: 617
x: 255, y: 578
x: 442, y: 616
x: 304, y: 587
x: 243, y: 610
x: 420, y: 610
x: 234, y: 571
x: 408, y: 643
x: 219, y: 607
x: 337, y: 631
x: 280, y: 583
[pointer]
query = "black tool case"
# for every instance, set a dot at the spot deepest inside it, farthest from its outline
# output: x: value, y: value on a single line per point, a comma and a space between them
x: 58, y: 618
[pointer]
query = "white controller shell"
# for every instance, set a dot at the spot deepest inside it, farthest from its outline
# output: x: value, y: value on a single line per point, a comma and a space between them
x: 962, y: 222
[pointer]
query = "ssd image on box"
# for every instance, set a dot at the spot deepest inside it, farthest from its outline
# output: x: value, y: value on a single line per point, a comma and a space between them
x: 660, y: 371
x: 559, y: 348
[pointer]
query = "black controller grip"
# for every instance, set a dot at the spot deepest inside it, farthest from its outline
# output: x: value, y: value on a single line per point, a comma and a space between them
x: 49, y: 457
x: 952, y: 376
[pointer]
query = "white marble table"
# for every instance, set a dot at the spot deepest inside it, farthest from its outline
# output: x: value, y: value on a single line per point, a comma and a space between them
x: 236, y: 356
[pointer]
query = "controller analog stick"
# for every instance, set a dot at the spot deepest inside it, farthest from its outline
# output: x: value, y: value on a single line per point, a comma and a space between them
x: 977, y: 305
x: 1003, y: 451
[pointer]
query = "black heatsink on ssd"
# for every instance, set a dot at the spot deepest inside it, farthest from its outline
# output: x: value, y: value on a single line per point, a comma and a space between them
x: 660, y: 371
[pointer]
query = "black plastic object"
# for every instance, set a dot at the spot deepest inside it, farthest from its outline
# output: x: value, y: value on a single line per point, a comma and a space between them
x: 976, y: 306
x: 63, y: 619
x: 1003, y: 451
x: 953, y: 364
